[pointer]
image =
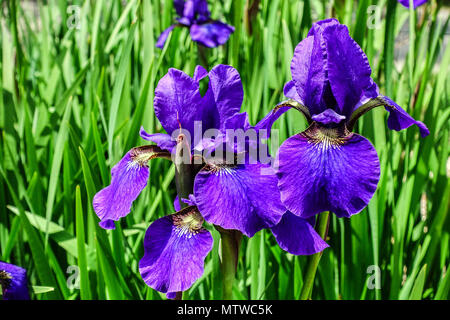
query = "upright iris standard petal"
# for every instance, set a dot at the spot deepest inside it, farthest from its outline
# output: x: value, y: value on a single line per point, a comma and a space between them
x: 179, y: 6
x: 297, y: 236
x: 211, y: 34
x: 175, y: 249
x: 226, y: 87
x: 290, y: 91
x: 321, y: 170
x: 13, y: 282
x: 223, y: 97
x: 196, y: 11
x: 128, y: 178
x: 348, y: 69
x: 309, y: 73
x: 178, y: 102
x: 416, y: 3
x: 163, y: 37
x: 399, y: 119
x: 240, y: 197
x: 200, y: 73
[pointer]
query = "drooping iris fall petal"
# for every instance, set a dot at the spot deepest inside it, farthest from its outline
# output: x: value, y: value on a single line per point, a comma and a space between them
x: 128, y: 178
x: 321, y: 172
x: 175, y: 249
x: 297, y: 236
x: 240, y: 197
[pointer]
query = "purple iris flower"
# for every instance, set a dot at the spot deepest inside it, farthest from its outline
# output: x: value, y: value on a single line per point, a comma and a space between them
x: 241, y: 195
x: 13, y: 281
x: 328, y: 167
x: 416, y: 3
x: 194, y: 14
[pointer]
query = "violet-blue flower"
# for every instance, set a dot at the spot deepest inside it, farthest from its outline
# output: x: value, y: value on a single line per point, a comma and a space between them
x: 327, y: 167
x: 241, y: 196
x: 194, y: 14
x: 13, y: 282
x: 416, y: 3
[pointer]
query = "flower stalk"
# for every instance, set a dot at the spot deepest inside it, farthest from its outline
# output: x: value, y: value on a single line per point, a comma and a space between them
x: 322, y: 230
x: 230, y: 241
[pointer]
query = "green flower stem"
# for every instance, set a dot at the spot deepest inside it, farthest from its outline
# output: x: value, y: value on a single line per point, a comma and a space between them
x: 322, y: 229
x: 230, y: 241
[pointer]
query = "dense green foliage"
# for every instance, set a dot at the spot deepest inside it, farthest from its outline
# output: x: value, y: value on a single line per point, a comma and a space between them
x: 72, y: 101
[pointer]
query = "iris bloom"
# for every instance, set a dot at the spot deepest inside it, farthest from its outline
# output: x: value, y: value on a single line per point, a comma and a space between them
x: 194, y: 14
x: 416, y: 3
x: 13, y: 281
x: 239, y: 195
x: 327, y: 166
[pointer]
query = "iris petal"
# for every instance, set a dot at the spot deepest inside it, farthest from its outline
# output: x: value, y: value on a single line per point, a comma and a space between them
x: 416, y: 3
x: 241, y: 197
x: 348, y: 69
x: 399, y: 119
x: 178, y: 101
x: 309, y: 74
x: 322, y: 174
x: 179, y: 6
x: 329, y: 116
x: 211, y: 34
x: 13, y: 282
x: 290, y: 91
x: 196, y: 10
x: 163, y: 37
x: 175, y: 249
x: 162, y: 140
x: 128, y: 178
x: 224, y: 96
x: 297, y: 236
x: 200, y: 73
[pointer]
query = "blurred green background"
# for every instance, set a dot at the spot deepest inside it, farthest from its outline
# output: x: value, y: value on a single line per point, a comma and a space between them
x: 77, y: 81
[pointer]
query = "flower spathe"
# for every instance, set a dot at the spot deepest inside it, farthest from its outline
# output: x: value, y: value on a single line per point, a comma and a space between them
x: 13, y: 282
x: 327, y: 167
x: 194, y: 14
